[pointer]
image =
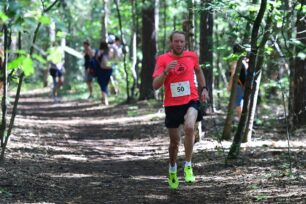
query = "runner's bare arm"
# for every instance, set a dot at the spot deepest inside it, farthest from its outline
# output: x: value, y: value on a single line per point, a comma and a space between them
x: 202, y: 84
x: 160, y: 79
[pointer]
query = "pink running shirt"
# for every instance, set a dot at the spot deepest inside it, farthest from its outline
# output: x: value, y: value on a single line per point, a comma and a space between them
x: 179, y: 85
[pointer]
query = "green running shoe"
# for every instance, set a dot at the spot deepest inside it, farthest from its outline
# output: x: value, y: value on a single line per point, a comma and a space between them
x: 189, y: 177
x: 173, y: 180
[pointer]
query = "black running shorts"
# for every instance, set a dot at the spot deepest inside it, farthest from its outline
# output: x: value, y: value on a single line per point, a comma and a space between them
x: 175, y: 114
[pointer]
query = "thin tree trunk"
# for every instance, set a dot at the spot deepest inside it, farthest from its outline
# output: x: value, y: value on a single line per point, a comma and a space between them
x: 174, y: 17
x: 104, y: 21
x: 247, y: 137
x: 235, y: 147
x: 226, y: 135
x: 134, y: 48
x: 165, y: 26
x: 206, y: 47
x: 259, y: 62
x: 4, y: 98
x: 124, y: 53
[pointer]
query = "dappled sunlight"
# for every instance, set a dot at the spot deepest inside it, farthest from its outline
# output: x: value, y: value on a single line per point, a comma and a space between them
x: 70, y: 157
x: 86, y: 147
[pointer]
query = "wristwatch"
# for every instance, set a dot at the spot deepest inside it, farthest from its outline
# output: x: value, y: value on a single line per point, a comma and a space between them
x: 204, y: 87
x: 165, y: 73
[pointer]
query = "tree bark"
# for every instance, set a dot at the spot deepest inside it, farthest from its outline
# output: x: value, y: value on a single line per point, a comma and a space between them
x: 226, y: 135
x: 124, y: 54
x: 299, y: 82
x: 104, y: 21
x: 148, y: 50
x: 4, y: 98
x: 259, y: 62
x: 206, y: 46
x: 235, y: 147
x: 134, y: 48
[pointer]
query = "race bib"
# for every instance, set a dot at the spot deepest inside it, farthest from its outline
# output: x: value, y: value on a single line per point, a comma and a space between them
x: 180, y: 89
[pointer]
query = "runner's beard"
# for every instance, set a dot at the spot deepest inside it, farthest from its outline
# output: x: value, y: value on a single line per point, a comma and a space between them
x: 177, y: 53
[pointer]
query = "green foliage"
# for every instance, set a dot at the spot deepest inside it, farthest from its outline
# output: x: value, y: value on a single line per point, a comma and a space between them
x: 133, y: 111
x: 39, y: 58
x: 3, y: 18
x: 5, y: 193
x: 233, y: 57
x: 45, y: 20
x: 22, y: 62
x: 301, y: 7
x: 261, y: 197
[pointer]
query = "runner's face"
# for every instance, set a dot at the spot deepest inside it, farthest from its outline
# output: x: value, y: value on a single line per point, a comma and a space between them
x: 178, y: 43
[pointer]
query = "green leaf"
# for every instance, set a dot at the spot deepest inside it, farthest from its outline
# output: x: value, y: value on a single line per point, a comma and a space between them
x: 269, y: 50
x: 231, y: 58
x: 253, y: 8
x: 39, y: 58
x: 60, y: 34
x: 27, y: 66
x: 23, y: 62
x: 16, y: 63
x: 3, y: 17
x: 45, y: 20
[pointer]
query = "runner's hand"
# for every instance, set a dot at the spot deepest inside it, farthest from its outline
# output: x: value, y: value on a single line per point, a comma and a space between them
x: 204, y: 95
x: 170, y: 66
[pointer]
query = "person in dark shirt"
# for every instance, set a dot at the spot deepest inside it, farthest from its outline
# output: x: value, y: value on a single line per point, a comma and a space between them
x: 88, y: 54
x: 241, y: 82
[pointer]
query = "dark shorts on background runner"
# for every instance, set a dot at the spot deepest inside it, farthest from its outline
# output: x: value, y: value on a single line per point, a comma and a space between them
x: 55, y: 72
x: 175, y: 114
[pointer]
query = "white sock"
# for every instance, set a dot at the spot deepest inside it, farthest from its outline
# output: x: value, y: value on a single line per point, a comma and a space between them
x: 172, y: 169
x: 187, y: 163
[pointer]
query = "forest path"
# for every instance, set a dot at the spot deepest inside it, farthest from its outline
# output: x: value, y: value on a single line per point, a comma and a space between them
x: 77, y: 151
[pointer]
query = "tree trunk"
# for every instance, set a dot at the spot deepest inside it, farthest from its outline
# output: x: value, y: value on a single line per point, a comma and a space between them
x: 134, y: 48
x: 104, y: 20
x: 259, y: 62
x: 148, y: 50
x: 165, y: 27
x: 235, y: 147
x: 226, y: 135
x: 188, y: 26
x: 252, y: 111
x: 206, y: 46
x: 124, y: 54
x: 299, y: 87
x: 174, y: 16
x: 4, y: 97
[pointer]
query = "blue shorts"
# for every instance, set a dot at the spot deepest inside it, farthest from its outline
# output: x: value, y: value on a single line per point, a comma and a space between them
x: 103, y: 76
x: 56, y: 72
x: 175, y: 114
x: 239, y: 95
x: 88, y: 77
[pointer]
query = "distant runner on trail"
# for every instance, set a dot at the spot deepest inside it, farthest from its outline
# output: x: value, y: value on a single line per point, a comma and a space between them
x: 56, y: 64
x: 240, y: 89
x: 88, y: 55
x: 175, y: 71
x: 104, y: 71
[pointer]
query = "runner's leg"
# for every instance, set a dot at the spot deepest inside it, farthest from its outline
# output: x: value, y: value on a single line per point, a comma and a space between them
x: 174, y: 144
x: 189, y: 124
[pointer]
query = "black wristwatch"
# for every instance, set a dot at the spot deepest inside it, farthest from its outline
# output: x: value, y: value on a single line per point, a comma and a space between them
x: 204, y: 87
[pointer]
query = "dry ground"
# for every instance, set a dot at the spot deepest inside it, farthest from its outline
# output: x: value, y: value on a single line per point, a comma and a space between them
x: 80, y: 152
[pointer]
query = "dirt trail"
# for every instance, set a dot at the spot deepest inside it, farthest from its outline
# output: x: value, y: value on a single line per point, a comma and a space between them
x: 80, y: 152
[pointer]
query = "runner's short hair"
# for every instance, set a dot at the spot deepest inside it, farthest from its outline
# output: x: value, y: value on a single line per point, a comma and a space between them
x: 176, y: 32
x: 86, y: 42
